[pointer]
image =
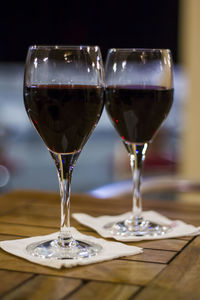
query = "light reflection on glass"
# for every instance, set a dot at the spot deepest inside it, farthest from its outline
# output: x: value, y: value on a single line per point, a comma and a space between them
x: 98, y: 66
x: 169, y: 59
x: 144, y: 149
x: 143, y: 57
x: 35, y: 63
x: 124, y: 64
x: 67, y: 57
x: 115, y: 67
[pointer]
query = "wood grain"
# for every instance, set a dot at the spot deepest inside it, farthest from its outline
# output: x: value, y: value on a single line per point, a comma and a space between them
x: 5, y: 237
x: 163, y: 244
x: 35, y: 220
x: 119, y: 271
x: 44, y: 287
x: 152, y: 255
x: 10, y: 280
x: 167, y: 269
x: 25, y: 230
x: 104, y: 290
x: 181, y: 280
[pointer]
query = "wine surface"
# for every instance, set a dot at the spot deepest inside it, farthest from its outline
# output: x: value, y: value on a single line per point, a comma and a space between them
x: 137, y: 111
x: 64, y: 115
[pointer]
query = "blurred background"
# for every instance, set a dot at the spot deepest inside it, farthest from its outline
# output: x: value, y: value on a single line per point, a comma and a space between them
x: 173, y: 24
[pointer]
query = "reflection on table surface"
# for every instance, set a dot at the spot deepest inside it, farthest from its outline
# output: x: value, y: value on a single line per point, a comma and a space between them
x: 171, y: 188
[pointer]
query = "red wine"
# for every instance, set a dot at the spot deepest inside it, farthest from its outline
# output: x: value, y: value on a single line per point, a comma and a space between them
x: 137, y: 111
x: 64, y: 115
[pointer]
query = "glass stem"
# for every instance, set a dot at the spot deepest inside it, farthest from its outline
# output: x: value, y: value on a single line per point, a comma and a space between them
x: 65, y: 190
x: 137, y: 154
x: 65, y: 164
x: 136, y: 161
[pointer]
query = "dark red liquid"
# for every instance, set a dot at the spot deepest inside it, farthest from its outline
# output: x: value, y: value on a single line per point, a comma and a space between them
x: 64, y: 115
x: 136, y: 111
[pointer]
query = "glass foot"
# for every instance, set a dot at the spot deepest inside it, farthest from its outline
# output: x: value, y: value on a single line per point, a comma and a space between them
x: 52, y: 249
x: 142, y: 227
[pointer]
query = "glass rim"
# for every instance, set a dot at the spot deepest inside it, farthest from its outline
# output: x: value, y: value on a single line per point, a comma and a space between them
x: 139, y: 49
x: 57, y: 47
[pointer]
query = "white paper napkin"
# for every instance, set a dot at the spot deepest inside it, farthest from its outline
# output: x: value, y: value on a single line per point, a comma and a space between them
x: 110, y: 250
x: 100, y: 224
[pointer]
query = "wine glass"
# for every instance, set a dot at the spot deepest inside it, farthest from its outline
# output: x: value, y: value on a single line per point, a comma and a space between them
x: 139, y: 95
x: 63, y: 97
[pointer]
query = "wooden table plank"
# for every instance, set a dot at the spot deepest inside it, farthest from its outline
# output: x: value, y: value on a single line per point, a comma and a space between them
x: 25, y: 230
x: 19, y: 218
x: 103, y: 290
x: 10, y: 280
x: 163, y: 244
x: 151, y: 255
x: 5, y: 237
x: 16, y: 218
x: 193, y: 218
x: 45, y: 288
x: 168, y: 268
x: 118, y: 271
x: 180, y: 281
x: 175, y: 244
x: 187, y: 238
x: 9, y: 221
x: 10, y: 206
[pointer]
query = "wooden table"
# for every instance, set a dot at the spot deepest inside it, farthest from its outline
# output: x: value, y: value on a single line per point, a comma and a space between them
x: 168, y: 269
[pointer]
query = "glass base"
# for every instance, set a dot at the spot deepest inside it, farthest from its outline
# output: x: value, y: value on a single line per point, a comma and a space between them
x: 52, y: 249
x: 139, y: 227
